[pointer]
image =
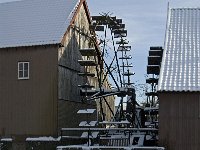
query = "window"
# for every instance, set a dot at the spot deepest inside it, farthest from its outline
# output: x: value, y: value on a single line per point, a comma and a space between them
x: 23, y: 70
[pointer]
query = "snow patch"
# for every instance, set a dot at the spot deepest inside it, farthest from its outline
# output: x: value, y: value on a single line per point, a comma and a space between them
x: 86, y: 111
x: 43, y: 139
x: 6, y: 139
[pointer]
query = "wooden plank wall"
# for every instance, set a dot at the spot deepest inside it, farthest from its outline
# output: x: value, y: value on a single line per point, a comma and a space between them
x: 68, y: 57
x: 28, y: 107
x: 68, y: 78
x: 179, y: 121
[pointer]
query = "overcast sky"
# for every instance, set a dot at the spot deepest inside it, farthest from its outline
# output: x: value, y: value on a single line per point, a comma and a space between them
x: 145, y: 21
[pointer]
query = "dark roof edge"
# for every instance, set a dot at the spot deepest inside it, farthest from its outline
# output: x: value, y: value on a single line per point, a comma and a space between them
x: 163, y: 91
x: 185, y: 8
x: 30, y: 45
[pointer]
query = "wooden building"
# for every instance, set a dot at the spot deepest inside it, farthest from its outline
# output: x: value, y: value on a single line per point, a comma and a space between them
x: 179, y: 83
x: 39, y: 53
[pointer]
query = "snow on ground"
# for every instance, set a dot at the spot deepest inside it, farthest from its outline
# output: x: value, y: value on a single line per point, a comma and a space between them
x: 44, y: 139
x: 6, y: 140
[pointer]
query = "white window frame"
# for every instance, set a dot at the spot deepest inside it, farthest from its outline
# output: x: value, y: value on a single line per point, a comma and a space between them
x: 23, y: 77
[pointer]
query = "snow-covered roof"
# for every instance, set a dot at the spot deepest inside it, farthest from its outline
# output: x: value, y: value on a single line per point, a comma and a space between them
x: 35, y: 22
x: 180, y: 69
